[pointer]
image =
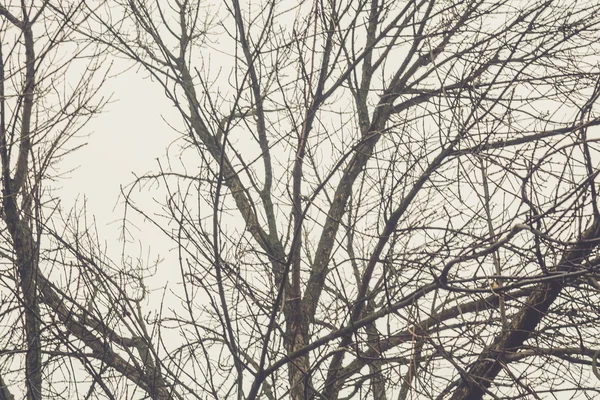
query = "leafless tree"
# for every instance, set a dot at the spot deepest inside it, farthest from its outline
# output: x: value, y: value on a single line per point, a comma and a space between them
x: 384, y: 199
x: 38, y: 116
x: 64, y: 306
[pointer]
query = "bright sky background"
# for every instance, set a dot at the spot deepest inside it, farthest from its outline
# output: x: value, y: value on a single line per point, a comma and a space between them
x: 125, y: 140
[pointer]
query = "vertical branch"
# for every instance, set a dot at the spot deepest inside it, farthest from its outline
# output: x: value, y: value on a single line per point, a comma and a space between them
x: 4, y: 392
x: 297, y: 326
x: 265, y: 193
x: 22, y: 235
x: 367, y: 69
x: 585, y: 112
x: 374, y: 338
x: 3, y: 148
x: 413, y: 365
x: 271, y: 236
x: 232, y: 337
x: 18, y: 220
x: 29, y: 87
x: 497, y: 285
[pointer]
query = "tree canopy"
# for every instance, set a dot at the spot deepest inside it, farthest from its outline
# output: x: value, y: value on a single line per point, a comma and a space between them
x: 366, y: 199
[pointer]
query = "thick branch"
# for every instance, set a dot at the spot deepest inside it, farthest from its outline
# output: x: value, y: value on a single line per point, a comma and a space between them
x: 482, y: 372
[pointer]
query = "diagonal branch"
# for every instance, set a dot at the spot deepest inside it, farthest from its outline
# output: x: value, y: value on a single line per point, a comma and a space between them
x: 489, y: 363
x: 146, y: 381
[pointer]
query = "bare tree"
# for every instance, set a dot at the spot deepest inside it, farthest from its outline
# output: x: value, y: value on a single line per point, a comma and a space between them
x: 384, y: 199
x: 375, y: 190
x: 382, y: 189
x: 71, y: 324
